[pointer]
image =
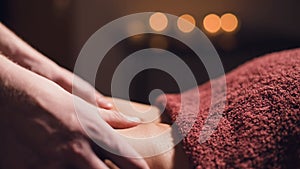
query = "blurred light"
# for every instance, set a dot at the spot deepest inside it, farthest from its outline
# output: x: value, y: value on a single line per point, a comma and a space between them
x: 158, y: 21
x: 186, y: 23
x: 229, y: 22
x: 212, y: 23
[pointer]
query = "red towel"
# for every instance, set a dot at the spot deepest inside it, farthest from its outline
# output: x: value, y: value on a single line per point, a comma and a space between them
x: 260, y: 127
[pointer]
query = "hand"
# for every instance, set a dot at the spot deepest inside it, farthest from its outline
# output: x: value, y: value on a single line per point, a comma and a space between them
x: 22, y: 53
x: 32, y: 138
x: 43, y: 130
x: 65, y: 78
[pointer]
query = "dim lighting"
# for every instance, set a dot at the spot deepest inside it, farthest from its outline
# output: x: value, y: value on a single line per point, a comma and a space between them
x: 186, y: 23
x: 61, y: 5
x: 158, y: 42
x: 158, y: 21
x: 229, y: 22
x: 212, y: 23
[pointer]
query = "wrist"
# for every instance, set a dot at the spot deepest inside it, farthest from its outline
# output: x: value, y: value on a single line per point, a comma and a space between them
x: 38, y: 63
x: 26, y: 56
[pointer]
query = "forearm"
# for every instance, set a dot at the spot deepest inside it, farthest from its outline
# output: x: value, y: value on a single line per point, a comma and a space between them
x: 11, y: 76
x: 26, y: 56
x: 21, y: 52
x: 29, y: 83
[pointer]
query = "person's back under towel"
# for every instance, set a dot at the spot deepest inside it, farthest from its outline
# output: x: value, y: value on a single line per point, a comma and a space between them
x: 260, y: 127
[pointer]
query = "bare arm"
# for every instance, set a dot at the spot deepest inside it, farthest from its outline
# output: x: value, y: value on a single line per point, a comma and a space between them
x: 48, y: 128
x: 22, y: 53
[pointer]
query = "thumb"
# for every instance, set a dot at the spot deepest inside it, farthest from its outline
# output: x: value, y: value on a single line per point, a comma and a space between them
x: 119, y: 120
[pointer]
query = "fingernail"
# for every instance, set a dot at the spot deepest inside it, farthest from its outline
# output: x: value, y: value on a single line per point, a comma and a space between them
x: 133, y: 119
x: 107, y: 104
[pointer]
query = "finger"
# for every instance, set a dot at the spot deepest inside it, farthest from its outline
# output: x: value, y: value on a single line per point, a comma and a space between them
x: 118, y: 120
x: 94, y: 162
x: 103, y: 135
x: 128, y: 158
x: 102, y: 102
x: 82, y: 157
x: 91, y: 95
x: 79, y: 87
x: 110, y: 164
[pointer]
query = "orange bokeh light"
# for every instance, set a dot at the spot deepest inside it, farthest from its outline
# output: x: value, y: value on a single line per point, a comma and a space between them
x: 186, y: 23
x: 158, y: 21
x: 229, y: 22
x: 212, y: 23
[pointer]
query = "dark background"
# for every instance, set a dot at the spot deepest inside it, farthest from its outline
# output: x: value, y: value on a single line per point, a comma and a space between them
x: 59, y: 28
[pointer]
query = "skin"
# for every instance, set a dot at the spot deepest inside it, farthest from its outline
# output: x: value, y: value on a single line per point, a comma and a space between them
x: 48, y: 85
x: 22, y: 53
x: 174, y: 158
x: 38, y: 133
x: 27, y: 128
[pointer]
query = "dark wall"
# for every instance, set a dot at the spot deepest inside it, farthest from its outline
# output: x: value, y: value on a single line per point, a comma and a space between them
x: 43, y: 24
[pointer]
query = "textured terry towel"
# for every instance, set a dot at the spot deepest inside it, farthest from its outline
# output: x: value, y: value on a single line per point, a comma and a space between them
x: 260, y: 127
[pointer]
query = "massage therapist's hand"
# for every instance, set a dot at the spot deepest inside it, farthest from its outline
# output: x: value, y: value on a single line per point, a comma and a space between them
x: 41, y: 129
x: 22, y: 53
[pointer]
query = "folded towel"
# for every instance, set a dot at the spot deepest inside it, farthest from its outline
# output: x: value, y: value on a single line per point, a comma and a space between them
x: 260, y: 127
